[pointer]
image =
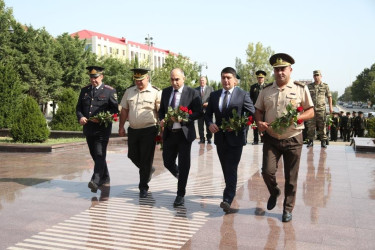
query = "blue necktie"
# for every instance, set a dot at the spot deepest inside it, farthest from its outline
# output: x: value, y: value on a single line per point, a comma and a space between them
x: 225, y: 101
x: 173, y: 102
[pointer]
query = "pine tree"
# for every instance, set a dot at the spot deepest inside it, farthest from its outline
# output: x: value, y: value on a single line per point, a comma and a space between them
x: 29, y: 124
x: 65, y: 118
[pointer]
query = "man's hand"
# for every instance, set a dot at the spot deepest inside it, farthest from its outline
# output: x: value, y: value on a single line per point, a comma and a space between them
x: 121, y: 131
x: 162, y: 123
x: 205, y: 104
x: 83, y: 120
x: 262, y: 126
x: 213, y: 128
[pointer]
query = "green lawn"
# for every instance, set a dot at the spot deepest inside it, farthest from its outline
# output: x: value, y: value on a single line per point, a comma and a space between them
x: 48, y: 142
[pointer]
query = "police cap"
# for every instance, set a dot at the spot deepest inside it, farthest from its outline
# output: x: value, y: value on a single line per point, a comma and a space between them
x: 260, y: 73
x: 95, y: 71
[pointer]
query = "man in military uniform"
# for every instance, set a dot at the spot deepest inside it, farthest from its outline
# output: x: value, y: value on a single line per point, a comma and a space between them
x: 204, y: 92
x: 255, y: 89
x: 272, y: 103
x: 341, y: 115
x: 360, y: 124
x: 140, y: 105
x: 335, y: 126
x: 319, y: 91
x: 94, y: 99
x: 352, y: 128
x: 345, y: 125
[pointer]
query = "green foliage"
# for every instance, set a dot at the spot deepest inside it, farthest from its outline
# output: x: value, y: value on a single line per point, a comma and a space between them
x: 65, y: 118
x: 347, y: 96
x: 335, y: 94
x: 257, y: 59
x: 363, y: 87
x: 161, y: 76
x: 371, y: 127
x: 10, y: 94
x: 236, y: 123
x: 29, y: 124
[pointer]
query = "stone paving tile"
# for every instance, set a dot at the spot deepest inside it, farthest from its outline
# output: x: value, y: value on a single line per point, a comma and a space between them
x: 45, y: 203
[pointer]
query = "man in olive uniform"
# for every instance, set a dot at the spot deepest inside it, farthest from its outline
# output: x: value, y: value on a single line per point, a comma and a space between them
x: 352, y: 128
x: 341, y: 115
x: 319, y: 91
x: 271, y: 104
x: 360, y: 124
x: 255, y: 89
x: 140, y: 105
x: 94, y: 99
x: 335, y: 126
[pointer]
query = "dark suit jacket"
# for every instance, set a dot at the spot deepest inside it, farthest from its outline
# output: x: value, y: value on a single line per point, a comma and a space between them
x: 206, y: 94
x: 254, y: 92
x: 189, y: 98
x: 240, y: 101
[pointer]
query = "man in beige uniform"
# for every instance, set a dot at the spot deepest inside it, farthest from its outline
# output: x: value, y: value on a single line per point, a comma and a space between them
x: 140, y: 105
x: 271, y: 103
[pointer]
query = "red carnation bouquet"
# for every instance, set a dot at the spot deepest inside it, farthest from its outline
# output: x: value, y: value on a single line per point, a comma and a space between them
x: 289, y: 118
x: 104, y: 118
x: 236, y: 123
x: 179, y: 114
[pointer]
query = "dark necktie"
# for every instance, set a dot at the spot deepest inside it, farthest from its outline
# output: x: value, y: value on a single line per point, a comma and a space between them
x: 225, y: 101
x: 173, y: 102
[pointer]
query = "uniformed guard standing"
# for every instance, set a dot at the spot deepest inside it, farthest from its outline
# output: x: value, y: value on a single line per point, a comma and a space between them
x: 335, y: 126
x: 345, y: 123
x: 360, y: 124
x: 94, y: 99
x: 352, y: 128
x: 319, y: 91
x: 255, y: 89
x: 140, y: 105
x: 272, y: 103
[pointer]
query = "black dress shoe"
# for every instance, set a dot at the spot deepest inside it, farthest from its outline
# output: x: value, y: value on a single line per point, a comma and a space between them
x: 209, y: 141
x: 323, y: 144
x: 273, y: 199
x: 93, y: 186
x: 287, y: 216
x: 310, y: 144
x: 255, y: 143
x: 179, y: 201
x: 225, y: 206
x: 143, y: 193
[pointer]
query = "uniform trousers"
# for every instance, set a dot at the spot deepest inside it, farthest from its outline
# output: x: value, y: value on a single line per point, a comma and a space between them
x: 317, y: 123
x: 98, y: 150
x: 290, y: 149
x: 175, y: 145
x: 141, y: 149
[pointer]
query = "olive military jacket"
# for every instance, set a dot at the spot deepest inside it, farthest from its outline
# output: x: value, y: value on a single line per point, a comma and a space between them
x: 319, y: 93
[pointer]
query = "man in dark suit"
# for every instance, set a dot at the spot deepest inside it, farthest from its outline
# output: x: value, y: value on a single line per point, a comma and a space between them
x: 204, y: 92
x: 229, y: 144
x: 255, y: 89
x: 93, y: 99
x: 178, y: 137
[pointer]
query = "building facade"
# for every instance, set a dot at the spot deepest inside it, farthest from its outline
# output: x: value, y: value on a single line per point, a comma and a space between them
x: 106, y: 45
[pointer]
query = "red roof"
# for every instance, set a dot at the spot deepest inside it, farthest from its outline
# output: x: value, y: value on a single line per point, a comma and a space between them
x: 87, y: 34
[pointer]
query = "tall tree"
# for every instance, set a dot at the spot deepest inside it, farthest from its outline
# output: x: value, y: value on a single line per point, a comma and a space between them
x: 257, y: 57
x: 347, y: 96
x: 363, y: 87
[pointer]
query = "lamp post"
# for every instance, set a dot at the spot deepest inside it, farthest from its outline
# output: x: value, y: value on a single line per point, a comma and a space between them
x: 150, y: 43
x: 204, y: 64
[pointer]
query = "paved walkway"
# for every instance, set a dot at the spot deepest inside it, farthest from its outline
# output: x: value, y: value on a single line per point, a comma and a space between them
x: 45, y: 203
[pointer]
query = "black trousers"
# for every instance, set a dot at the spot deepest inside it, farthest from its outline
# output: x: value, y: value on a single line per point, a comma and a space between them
x: 141, y: 149
x: 290, y: 149
x: 229, y: 158
x: 175, y: 145
x: 201, y: 125
x: 98, y: 151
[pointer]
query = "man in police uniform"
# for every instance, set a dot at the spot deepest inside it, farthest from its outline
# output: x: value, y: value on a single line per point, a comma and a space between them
x: 319, y: 91
x: 94, y: 99
x: 140, y: 105
x: 255, y: 89
x: 272, y: 103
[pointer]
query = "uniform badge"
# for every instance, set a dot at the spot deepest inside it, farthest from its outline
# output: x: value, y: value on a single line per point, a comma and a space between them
x: 115, y: 96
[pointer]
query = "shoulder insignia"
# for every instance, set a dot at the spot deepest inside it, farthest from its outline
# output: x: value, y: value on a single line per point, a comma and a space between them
x: 267, y: 85
x: 155, y: 87
x: 325, y: 83
x: 299, y: 83
x: 108, y: 87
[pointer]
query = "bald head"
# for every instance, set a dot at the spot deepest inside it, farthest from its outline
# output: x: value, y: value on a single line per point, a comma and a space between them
x: 177, y: 78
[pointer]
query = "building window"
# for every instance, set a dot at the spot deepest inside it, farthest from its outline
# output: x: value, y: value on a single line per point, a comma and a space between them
x: 132, y: 55
x: 123, y: 52
x: 105, y: 50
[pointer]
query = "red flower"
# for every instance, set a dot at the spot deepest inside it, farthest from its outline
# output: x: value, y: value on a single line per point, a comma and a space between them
x: 299, y: 109
x: 158, y: 138
x: 251, y: 119
x: 248, y: 123
x: 190, y: 112
x: 299, y: 121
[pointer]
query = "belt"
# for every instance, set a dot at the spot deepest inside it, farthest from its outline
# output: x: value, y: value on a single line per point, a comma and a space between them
x: 175, y: 130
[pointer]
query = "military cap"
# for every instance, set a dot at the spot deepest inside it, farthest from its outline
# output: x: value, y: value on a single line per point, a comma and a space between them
x: 140, y: 73
x: 317, y: 73
x: 238, y: 77
x: 95, y: 71
x: 348, y: 113
x: 360, y: 112
x: 281, y: 60
x: 354, y: 112
x: 261, y: 73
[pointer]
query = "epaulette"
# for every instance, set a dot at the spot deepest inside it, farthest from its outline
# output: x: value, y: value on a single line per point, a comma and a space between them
x: 129, y: 87
x: 299, y: 83
x: 108, y: 87
x: 267, y: 85
x: 87, y: 86
x: 156, y: 88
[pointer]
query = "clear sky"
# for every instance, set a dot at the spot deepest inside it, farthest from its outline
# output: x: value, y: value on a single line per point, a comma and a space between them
x: 335, y: 36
